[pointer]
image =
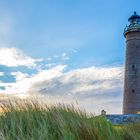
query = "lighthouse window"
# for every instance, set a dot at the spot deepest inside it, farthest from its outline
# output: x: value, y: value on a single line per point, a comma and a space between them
x: 133, y: 91
x: 133, y: 66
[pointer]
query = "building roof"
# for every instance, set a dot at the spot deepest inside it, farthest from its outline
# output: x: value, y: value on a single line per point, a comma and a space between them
x: 134, y: 16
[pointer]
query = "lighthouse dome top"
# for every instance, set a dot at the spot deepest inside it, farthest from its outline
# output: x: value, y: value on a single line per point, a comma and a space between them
x: 134, y: 24
x: 134, y: 17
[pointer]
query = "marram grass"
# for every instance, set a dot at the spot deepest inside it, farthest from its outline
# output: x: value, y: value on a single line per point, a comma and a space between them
x: 32, y: 121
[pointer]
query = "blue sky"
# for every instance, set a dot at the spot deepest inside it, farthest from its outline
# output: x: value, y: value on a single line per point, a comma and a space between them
x: 75, y: 42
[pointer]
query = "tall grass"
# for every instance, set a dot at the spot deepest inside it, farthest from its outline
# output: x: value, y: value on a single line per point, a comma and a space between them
x: 32, y: 121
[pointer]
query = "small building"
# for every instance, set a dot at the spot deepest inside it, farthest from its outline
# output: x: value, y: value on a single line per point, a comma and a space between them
x: 103, y: 112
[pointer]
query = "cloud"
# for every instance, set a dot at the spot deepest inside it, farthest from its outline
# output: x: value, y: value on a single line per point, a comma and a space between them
x: 75, y: 51
x: 24, y: 81
x: 1, y: 73
x: 83, y: 80
x: 94, y: 88
x: 13, y: 57
x: 19, y: 75
x: 65, y: 57
x: 62, y: 56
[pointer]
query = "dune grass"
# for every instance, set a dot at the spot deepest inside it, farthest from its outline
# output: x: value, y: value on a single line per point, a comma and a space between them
x: 32, y: 121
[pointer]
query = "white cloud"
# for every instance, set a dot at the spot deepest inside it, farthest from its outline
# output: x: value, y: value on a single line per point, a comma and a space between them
x: 83, y: 80
x: 19, y: 75
x: 94, y: 88
x: 24, y: 81
x: 13, y: 57
x: 1, y: 73
x: 62, y: 56
x: 50, y: 65
x: 65, y: 57
x: 75, y: 51
x: 49, y: 59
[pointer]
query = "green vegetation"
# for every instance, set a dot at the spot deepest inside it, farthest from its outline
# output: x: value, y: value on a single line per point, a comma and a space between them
x: 30, y: 121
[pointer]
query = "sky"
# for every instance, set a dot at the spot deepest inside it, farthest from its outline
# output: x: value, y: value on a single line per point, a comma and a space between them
x: 68, y: 51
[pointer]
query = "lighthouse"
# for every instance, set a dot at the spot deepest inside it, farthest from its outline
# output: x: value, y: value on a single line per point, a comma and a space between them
x: 131, y: 96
